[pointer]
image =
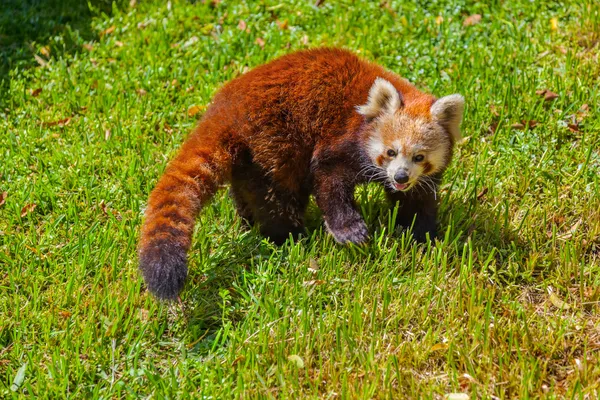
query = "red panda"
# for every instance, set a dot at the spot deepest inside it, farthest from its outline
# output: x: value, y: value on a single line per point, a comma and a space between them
x: 314, y: 122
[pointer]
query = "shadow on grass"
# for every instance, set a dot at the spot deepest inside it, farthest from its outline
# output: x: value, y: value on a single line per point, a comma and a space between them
x: 213, y: 302
x: 58, y: 25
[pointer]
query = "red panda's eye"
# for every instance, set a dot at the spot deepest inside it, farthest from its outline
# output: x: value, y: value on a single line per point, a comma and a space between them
x: 419, y: 158
x: 391, y: 153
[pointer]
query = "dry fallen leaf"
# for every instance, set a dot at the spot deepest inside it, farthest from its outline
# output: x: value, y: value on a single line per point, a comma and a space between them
x: 141, y: 92
x: 439, y: 346
x: 319, y: 3
x: 282, y: 24
x: 260, y: 42
x: 88, y: 47
x: 40, y: 60
x: 188, y: 90
x: 472, y: 20
x: 108, y: 31
x: 557, y: 301
x: 167, y: 128
x: 481, y: 194
x: 27, y: 209
x: 296, y: 359
x: 315, y: 282
x: 572, y: 230
x: 518, y: 125
x: 3, y: 198
x: 118, y: 43
x: 546, y: 94
x: 304, y: 40
x: 193, y: 110
x: 45, y: 51
x: 36, y: 92
x: 242, y: 25
x: 60, y: 122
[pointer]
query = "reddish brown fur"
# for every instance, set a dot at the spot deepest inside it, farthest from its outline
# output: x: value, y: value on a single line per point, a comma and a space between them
x: 281, y: 118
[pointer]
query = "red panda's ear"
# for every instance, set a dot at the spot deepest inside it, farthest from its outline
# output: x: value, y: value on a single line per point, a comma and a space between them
x: 448, y: 112
x: 383, y: 98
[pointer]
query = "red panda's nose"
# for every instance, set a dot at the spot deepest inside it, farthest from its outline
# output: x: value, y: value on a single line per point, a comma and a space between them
x: 401, y: 176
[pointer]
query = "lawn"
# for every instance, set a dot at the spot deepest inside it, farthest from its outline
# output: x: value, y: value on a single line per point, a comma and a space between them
x: 96, y: 98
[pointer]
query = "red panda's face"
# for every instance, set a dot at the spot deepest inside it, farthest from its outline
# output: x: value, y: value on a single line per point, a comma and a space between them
x: 407, y: 148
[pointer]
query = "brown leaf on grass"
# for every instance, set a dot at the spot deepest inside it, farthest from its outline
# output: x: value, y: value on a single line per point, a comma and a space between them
x: 472, y: 20
x: 260, y: 42
x: 493, y: 127
x: 141, y: 92
x: 108, y: 31
x: 3, y: 198
x: 190, y: 89
x: 529, y: 124
x: 481, y: 194
x: 283, y: 25
x: 88, y: 47
x: 132, y: 3
x: 45, y: 51
x: 315, y: 282
x: 118, y: 43
x: 60, y: 122
x: 319, y: 3
x: 27, y: 209
x: 65, y: 314
x: 573, y: 127
x: 167, y: 128
x: 557, y: 301
x: 242, y: 25
x: 465, y: 380
x: 193, y: 110
x: 304, y: 40
x: 36, y: 92
x: 569, y: 234
x: 439, y: 346
x: 546, y: 94
x: 103, y: 207
x: 40, y: 60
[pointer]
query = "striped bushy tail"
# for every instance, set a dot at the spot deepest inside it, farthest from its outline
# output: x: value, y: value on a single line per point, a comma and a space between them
x: 189, y: 181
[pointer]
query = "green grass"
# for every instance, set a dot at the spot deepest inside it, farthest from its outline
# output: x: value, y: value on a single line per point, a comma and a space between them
x: 506, y: 304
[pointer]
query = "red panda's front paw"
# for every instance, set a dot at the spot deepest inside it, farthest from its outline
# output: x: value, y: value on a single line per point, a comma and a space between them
x: 355, y: 232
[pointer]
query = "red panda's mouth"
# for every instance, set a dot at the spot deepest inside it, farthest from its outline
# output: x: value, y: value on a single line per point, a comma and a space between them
x: 401, y: 186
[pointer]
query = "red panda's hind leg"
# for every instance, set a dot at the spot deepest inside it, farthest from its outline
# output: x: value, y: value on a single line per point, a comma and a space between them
x: 260, y: 201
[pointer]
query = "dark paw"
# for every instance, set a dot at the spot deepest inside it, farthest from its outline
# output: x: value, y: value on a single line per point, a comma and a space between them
x: 355, y: 232
x: 164, y: 267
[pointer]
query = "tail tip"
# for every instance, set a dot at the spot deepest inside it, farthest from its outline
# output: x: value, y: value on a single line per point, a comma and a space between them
x: 164, y: 267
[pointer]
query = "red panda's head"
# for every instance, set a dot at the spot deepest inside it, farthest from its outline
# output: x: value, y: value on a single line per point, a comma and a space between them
x: 408, y: 143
